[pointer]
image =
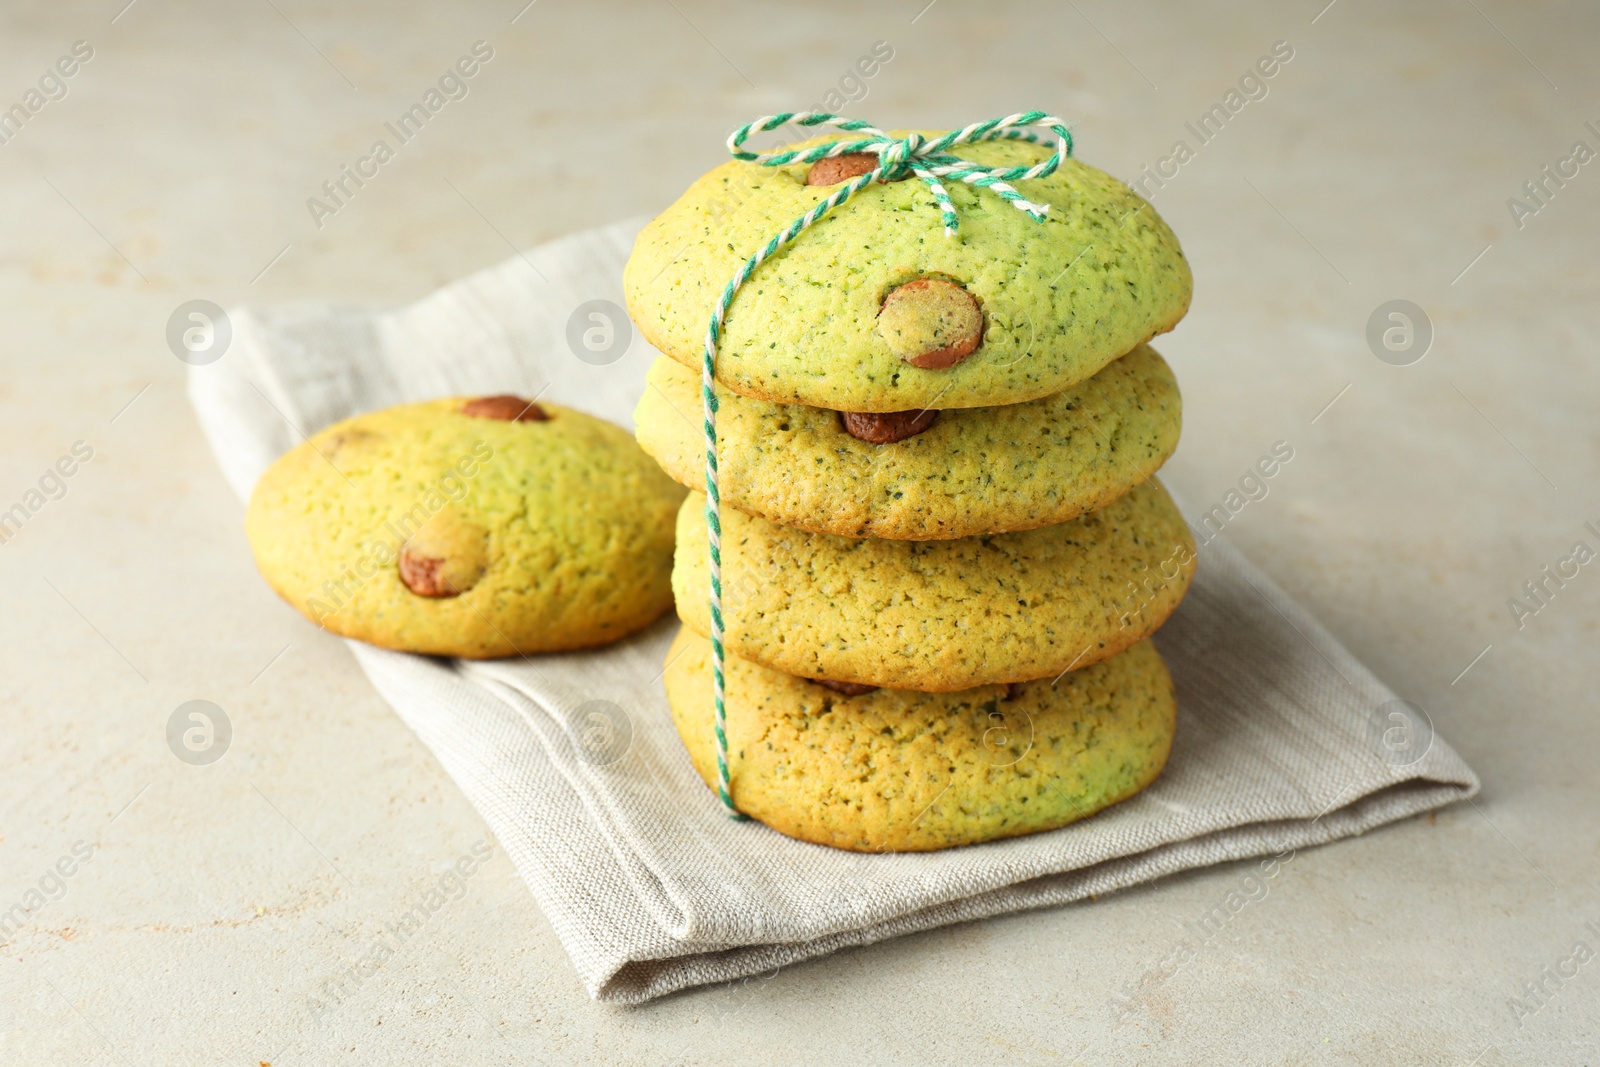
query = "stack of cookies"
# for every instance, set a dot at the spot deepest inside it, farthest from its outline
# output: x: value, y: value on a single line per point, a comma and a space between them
x: 942, y: 545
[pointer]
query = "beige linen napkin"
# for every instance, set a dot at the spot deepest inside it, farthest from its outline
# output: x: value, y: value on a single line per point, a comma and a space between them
x: 1284, y: 739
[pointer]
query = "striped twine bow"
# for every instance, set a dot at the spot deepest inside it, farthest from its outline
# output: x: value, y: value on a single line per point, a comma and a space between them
x: 898, y: 157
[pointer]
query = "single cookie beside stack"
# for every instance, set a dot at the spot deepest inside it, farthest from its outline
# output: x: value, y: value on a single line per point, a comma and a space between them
x: 469, y: 526
x: 942, y: 545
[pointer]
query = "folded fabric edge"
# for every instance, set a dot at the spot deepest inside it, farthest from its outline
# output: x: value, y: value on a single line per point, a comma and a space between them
x: 674, y: 911
x: 636, y: 982
x: 216, y: 391
x: 667, y: 907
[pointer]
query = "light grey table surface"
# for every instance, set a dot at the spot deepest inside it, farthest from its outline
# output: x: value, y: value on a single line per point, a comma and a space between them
x: 1378, y: 166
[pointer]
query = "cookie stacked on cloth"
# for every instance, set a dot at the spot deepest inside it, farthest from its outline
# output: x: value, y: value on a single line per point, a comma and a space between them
x: 936, y: 425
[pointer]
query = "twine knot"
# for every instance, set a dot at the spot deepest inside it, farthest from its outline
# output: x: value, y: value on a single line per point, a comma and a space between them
x: 896, y: 153
x: 914, y: 154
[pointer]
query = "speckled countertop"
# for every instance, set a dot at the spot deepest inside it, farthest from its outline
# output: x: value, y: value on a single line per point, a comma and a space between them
x: 180, y: 914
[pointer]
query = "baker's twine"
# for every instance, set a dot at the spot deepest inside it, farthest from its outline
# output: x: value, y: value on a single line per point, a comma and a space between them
x: 898, y: 157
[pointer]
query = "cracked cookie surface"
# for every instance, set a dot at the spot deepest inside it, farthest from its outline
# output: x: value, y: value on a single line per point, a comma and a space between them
x: 1059, y: 299
x: 973, y: 471
x: 939, y: 616
x: 459, y: 528
x: 896, y: 771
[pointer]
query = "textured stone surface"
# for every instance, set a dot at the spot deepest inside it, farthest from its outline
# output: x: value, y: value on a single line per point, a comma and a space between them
x: 220, y: 898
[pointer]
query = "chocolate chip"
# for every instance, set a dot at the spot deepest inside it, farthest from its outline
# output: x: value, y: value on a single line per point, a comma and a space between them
x: 445, y: 557
x: 931, y: 323
x: 849, y: 689
x: 835, y: 169
x: 422, y: 574
x: 885, y: 427
x: 506, y: 408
